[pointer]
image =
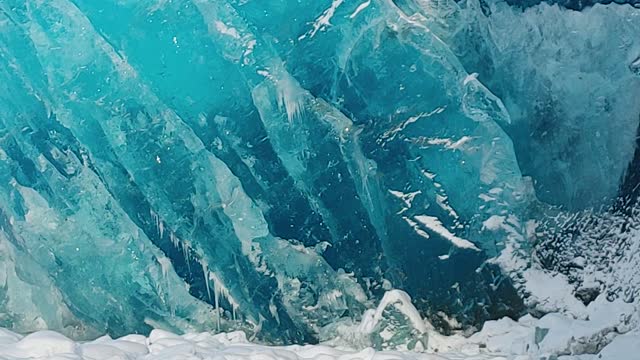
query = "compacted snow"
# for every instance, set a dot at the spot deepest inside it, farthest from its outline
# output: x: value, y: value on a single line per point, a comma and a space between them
x: 164, y: 345
x: 608, y: 330
x: 234, y: 346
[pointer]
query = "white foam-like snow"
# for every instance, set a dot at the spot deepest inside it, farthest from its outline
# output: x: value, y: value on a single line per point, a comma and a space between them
x: 168, y: 346
x: 493, y: 223
x: 443, y: 202
x: 609, y: 332
x: 227, y: 30
x: 432, y: 223
x: 401, y: 301
x: 324, y: 19
x: 552, y: 292
x: 363, y: 6
x: 450, y: 144
x: 416, y: 227
x: 406, y: 198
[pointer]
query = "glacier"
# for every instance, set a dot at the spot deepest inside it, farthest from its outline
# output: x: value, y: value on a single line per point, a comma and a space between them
x: 279, y: 168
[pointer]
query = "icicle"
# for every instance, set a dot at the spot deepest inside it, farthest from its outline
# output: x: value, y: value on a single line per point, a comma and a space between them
x: 174, y: 240
x: 216, y: 295
x: 165, y: 264
x: 159, y: 223
x: 222, y: 291
x: 186, y: 249
x: 205, y: 270
x: 156, y: 219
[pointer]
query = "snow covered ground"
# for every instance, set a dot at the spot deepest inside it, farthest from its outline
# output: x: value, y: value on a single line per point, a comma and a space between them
x: 164, y: 345
x: 610, y: 332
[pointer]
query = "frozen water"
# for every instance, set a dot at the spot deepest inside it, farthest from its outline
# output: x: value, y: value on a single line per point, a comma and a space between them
x: 276, y: 168
x: 573, y: 116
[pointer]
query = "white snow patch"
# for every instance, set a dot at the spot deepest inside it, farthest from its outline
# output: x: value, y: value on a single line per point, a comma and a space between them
x: 622, y: 347
x: 552, y: 293
x: 449, y: 143
x: 41, y: 344
x: 363, y: 6
x: 434, y: 224
x: 401, y: 301
x: 416, y: 227
x: 609, y: 332
x: 226, y: 30
x: 428, y: 175
x: 493, y: 223
x: 406, y: 198
x: 442, y: 201
x: 324, y: 20
x: 251, y: 44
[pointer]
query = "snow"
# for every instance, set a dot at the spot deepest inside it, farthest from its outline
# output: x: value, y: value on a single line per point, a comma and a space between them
x: 401, y: 301
x: 436, y: 226
x: 552, y: 292
x: 42, y: 344
x: 324, y: 20
x: 406, y: 198
x: 610, y: 332
x: 227, y: 30
x: 167, y: 346
x: 363, y: 6
x: 449, y: 143
x: 416, y: 228
x: 622, y: 347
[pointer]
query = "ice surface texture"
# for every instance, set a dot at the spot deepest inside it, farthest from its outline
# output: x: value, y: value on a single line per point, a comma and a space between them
x: 273, y: 167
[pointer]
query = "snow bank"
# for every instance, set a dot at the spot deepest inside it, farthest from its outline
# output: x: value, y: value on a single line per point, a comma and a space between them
x: 500, y: 340
x: 610, y: 331
x: 167, y: 346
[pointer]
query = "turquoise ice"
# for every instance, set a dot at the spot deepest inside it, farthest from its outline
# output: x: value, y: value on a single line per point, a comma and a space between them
x: 276, y: 166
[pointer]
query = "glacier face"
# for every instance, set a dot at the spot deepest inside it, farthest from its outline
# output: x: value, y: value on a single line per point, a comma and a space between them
x: 197, y: 164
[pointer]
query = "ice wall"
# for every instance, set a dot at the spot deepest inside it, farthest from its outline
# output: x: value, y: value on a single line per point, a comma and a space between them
x: 232, y: 164
x: 569, y: 81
